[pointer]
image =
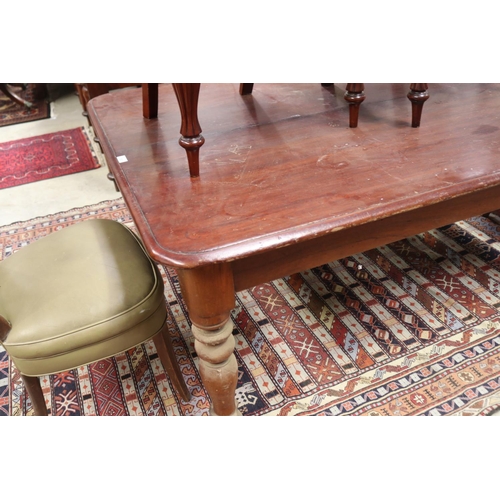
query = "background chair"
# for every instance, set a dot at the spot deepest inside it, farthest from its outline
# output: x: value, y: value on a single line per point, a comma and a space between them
x: 187, y: 97
x: 355, y: 95
x: 85, y: 293
x: 5, y: 89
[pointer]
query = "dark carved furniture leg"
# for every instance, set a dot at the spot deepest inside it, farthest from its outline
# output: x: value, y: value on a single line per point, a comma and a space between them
x: 209, y: 295
x: 150, y: 100
x: 418, y: 95
x: 13, y: 96
x: 34, y: 390
x: 191, y: 140
x: 246, y: 88
x: 165, y: 350
x: 354, y: 95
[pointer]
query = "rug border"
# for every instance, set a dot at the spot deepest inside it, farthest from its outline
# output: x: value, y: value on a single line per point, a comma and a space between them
x: 87, y: 138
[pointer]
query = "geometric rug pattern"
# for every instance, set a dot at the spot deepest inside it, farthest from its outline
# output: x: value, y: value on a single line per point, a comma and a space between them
x: 45, y: 156
x: 410, y: 328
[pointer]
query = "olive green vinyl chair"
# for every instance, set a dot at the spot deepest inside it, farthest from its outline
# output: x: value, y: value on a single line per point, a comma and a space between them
x: 79, y: 295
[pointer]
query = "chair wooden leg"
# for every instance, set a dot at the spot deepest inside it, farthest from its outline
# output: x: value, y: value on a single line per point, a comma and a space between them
x: 150, y: 100
x: 354, y: 95
x: 191, y: 139
x: 246, y: 88
x: 165, y: 349
x: 35, y: 393
x: 418, y: 95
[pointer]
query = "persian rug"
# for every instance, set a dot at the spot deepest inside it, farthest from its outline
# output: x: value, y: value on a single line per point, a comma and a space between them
x: 410, y: 328
x: 12, y: 113
x: 45, y: 156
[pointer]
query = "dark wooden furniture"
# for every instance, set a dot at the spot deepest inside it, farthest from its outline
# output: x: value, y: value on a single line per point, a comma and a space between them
x: 355, y: 95
x: 5, y: 89
x: 285, y: 185
x: 87, y: 91
x: 187, y: 96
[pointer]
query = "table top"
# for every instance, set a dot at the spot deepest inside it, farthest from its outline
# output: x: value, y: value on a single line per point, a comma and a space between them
x: 281, y: 166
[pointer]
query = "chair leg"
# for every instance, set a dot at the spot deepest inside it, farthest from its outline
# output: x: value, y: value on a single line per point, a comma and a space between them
x: 246, y: 88
x: 150, y: 100
x: 35, y: 393
x: 418, y: 95
x: 165, y: 349
x: 354, y: 95
x: 191, y: 139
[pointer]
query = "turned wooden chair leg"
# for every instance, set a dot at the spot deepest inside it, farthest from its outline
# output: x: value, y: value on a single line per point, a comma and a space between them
x: 418, y: 95
x: 354, y: 95
x: 35, y: 393
x: 165, y: 350
x: 191, y: 139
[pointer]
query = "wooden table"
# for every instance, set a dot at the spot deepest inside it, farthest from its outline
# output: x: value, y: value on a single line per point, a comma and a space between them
x: 286, y: 185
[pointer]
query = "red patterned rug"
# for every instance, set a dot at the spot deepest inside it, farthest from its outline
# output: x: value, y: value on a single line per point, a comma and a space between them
x: 12, y: 113
x: 45, y: 156
x: 411, y: 328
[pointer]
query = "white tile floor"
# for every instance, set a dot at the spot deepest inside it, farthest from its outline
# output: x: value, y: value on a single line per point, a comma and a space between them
x: 49, y: 196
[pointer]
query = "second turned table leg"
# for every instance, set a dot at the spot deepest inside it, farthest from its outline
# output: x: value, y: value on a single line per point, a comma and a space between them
x: 209, y: 295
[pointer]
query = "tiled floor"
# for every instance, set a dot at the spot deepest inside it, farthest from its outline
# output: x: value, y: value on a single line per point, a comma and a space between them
x: 61, y: 193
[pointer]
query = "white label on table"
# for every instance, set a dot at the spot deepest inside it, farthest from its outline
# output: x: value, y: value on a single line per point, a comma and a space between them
x: 122, y: 159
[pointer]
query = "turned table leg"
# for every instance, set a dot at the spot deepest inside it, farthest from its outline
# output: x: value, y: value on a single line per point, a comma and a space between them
x: 191, y: 139
x: 354, y: 95
x: 418, y: 95
x: 209, y: 295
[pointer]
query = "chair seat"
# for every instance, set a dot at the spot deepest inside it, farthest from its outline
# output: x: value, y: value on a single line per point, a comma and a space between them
x: 79, y: 295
